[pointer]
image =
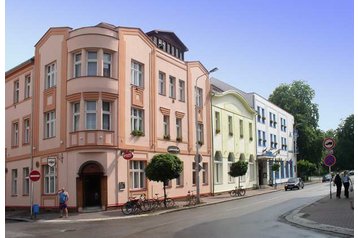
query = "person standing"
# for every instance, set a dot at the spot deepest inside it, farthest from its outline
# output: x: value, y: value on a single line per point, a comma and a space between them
x: 63, y: 198
x: 338, y: 183
x: 346, y: 182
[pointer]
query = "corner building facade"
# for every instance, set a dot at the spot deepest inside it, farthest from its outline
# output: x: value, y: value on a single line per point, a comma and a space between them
x: 95, y: 93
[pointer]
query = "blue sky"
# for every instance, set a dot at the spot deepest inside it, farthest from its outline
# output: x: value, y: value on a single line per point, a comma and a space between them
x: 256, y: 44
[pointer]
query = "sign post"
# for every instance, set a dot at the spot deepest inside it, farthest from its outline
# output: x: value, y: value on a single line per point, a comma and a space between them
x: 330, y: 159
x: 33, y: 176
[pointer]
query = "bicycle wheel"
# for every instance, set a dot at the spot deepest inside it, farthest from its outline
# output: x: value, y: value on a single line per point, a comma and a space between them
x: 233, y: 193
x: 128, y: 208
x: 169, y: 203
x: 242, y: 192
x: 145, y: 206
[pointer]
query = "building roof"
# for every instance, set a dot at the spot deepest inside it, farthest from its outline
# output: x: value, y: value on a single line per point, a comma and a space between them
x: 170, y: 37
x: 23, y: 64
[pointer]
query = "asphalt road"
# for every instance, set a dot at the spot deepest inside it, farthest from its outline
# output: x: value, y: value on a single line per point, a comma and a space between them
x: 257, y: 216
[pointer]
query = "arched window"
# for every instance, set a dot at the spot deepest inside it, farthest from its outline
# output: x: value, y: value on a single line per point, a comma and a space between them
x: 218, y: 168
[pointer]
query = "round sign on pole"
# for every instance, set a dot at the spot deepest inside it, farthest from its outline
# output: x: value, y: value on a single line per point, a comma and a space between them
x: 330, y: 160
x: 198, y: 158
x: 34, y: 175
x: 329, y: 143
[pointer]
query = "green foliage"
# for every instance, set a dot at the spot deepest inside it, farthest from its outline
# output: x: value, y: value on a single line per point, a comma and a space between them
x: 137, y: 133
x: 344, y: 150
x: 305, y: 168
x: 275, y: 167
x: 164, y: 167
x: 238, y: 168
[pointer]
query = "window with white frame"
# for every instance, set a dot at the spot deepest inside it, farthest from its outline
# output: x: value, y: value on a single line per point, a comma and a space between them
x: 229, y: 121
x: 258, y: 114
x: 50, y: 179
x: 75, y: 116
x: 137, y: 74
x: 217, y: 122
x: 230, y: 161
x: 15, y: 134
x: 205, y: 173
x: 106, y: 116
x: 200, y: 133
x: 259, y: 140
x: 179, y: 129
x: 26, y: 131
x: 166, y: 126
x: 161, y: 83
x: 172, y: 87
x: 50, y: 124
x: 273, y: 143
x: 92, y: 63
x: 25, y: 181
x: 14, y: 182
x: 283, y: 124
x: 250, y: 131
x: 251, y: 168
x: 263, y: 138
x: 50, y: 75
x: 27, y: 86
x: 283, y: 143
x: 107, y: 64
x: 16, y: 91
x: 137, y: 119
x: 91, y: 115
x: 263, y: 117
x: 199, y: 97
x: 77, y: 65
x: 137, y: 175
x: 241, y: 124
x: 218, y: 168
x: 181, y: 90
x: 180, y: 180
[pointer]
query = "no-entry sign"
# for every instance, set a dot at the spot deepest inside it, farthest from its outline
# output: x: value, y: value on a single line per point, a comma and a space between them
x: 34, y: 175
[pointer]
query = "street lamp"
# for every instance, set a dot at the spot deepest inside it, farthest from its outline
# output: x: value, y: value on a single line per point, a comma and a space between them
x: 197, y: 135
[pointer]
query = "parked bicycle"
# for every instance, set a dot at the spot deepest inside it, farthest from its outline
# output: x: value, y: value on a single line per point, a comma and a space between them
x: 158, y: 202
x: 134, y: 205
x: 238, y: 192
x: 190, y: 198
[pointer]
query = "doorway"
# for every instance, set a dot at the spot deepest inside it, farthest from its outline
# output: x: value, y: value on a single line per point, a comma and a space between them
x: 92, y: 190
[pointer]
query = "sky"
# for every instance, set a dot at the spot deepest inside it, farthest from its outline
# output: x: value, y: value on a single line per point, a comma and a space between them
x: 256, y: 44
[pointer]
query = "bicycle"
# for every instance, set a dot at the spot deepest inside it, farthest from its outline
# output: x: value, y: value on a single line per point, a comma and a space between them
x: 238, y: 192
x: 157, y: 202
x: 190, y: 198
x: 134, y: 204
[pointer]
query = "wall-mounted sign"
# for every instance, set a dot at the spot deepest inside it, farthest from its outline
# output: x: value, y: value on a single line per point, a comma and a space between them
x: 173, y: 149
x: 127, y: 155
x: 51, y: 161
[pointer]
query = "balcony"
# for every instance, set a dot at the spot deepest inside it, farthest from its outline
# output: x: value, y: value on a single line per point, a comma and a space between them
x: 91, y: 138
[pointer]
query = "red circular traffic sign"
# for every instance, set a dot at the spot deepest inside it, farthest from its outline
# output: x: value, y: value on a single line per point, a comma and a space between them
x: 329, y: 160
x: 127, y: 155
x: 34, y: 175
x: 329, y: 143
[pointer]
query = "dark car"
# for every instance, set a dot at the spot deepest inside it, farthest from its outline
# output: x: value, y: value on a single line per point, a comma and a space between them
x: 326, y: 178
x: 294, y: 183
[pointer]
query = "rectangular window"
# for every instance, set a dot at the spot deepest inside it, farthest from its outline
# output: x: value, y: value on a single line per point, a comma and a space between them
x: 50, y: 124
x: 180, y: 180
x: 137, y: 119
x: 283, y: 125
x: 107, y: 63
x: 49, y: 180
x: 166, y: 127
x: 137, y: 74
x: 77, y: 65
x: 91, y: 115
x: 259, y: 141
x: 282, y: 169
x: 76, y: 116
x: 91, y: 63
x: 15, y: 134
x: 205, y: 173
x: 199, y: 97
x: 217, y: 122
x: 14, y: 182
x: 106, y: 116
x: 251, y: 171
x: 25, y: 181
x: 179, y: 129
x: 181, y: 90
x: 200, y: 133
x: 161, y: 83
x: 50, y: 75
x: 193, y: 174
x: 137, y: 175
x: 26, y: 131
x: 229, y: 121
x: 172, y: 87
x: 258, y: 114
x: 241, y: 124
x: 16, y: 91
x: 250, y: 131
x: 263, y: 117
x: 27, y: 86
x: 263, y: 138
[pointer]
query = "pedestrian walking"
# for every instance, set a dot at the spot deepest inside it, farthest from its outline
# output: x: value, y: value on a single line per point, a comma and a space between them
x: 338, y: 182
x: 346, y: 183
x: 63, y: 198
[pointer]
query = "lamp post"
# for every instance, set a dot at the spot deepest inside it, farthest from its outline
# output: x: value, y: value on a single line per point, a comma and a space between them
x: 197, y: 136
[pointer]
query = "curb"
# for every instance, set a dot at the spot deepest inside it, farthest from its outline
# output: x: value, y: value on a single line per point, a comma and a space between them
x: 296, y: 217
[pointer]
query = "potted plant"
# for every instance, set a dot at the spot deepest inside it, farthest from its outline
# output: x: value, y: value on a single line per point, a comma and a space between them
x: 137, y: 133
x: 166, y: 137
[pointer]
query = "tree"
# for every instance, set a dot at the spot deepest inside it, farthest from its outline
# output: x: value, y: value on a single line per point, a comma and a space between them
x: 239, y: 168
x: 344, y: 150
x: 162, y: 168
x: 275, y: 168
x: 305, y: 168
x: 297, y: 99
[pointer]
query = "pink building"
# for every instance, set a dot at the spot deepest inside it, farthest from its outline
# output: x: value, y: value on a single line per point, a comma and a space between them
x: 91, y: 93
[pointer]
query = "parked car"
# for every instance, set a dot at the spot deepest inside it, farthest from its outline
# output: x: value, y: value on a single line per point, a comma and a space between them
x: 294, y: 183
x: 326, y: 178
x: 351, y: 173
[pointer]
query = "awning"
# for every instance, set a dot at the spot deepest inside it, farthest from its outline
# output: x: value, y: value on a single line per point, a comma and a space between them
x: 266, y: 156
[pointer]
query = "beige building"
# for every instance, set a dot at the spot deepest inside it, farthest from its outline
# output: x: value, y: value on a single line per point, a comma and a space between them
x: 88, y: 96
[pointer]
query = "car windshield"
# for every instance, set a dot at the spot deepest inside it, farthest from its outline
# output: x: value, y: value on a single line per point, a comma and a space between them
x: 292, y: 180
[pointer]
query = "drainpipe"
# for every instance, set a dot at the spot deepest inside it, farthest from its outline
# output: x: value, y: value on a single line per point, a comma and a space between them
x: 212, y: 94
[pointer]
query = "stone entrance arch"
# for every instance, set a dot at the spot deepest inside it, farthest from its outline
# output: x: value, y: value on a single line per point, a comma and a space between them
x: 91, y: 186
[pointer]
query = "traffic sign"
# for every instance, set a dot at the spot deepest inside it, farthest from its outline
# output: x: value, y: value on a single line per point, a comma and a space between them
x: 329, y: 160
x: 200, y: 158
x: 51, y: 161
x: 329, y: 143
x: 34, y: 175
